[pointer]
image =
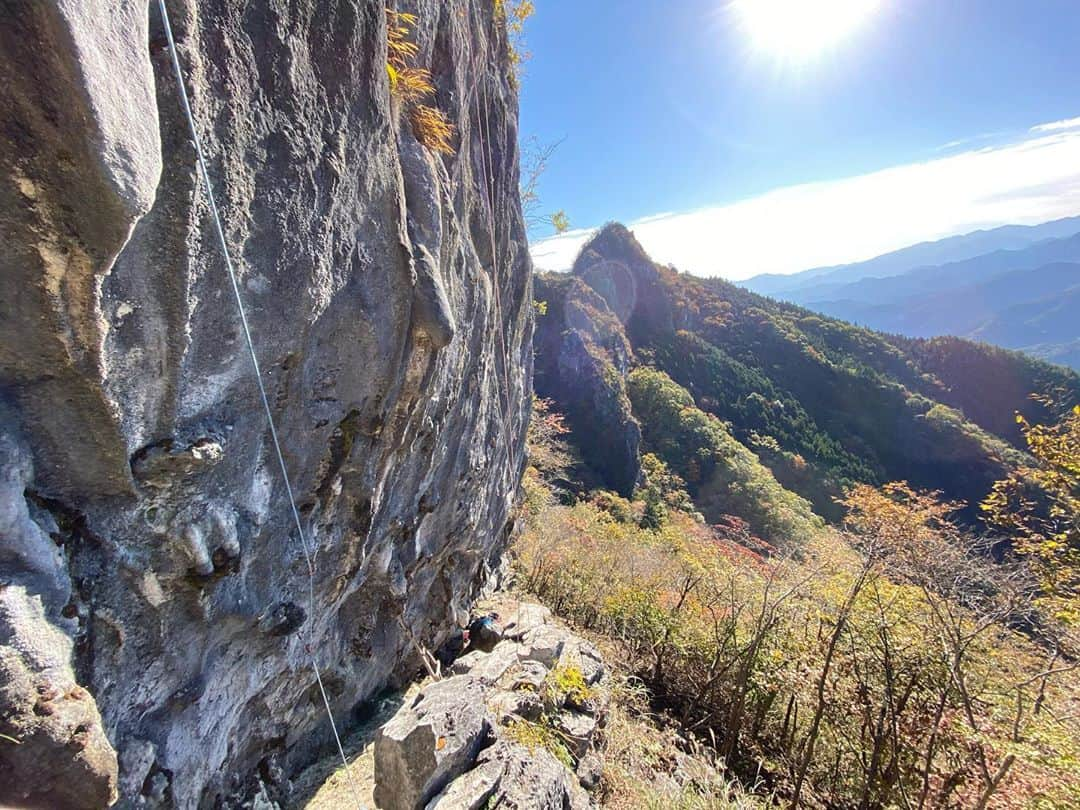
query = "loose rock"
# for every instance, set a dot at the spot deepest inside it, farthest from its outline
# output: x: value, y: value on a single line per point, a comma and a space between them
x: 532, y: 724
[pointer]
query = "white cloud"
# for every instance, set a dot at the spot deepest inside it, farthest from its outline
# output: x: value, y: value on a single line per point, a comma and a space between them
x: 1055, y: 126
x: 1031, y: 180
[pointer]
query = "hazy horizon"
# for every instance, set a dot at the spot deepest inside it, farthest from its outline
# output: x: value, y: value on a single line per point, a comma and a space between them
x: 751, y: 137
x: 1024, y: 180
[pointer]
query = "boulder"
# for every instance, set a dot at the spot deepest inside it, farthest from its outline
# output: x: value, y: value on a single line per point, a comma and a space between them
x: 488, y: 666
x: 589, y: 770
x: 473, y: 790
x: 585, y: 657
x: 527, y: 616
x: 507, y: 706
x: 514, y: 777
x: 430, y: 742
x: 577, y: 730
x: 510, y: 688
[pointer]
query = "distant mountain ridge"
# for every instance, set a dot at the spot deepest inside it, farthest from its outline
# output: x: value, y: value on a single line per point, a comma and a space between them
x: 763, y: 407
x: 1019, y: 297
x: 924, y: 254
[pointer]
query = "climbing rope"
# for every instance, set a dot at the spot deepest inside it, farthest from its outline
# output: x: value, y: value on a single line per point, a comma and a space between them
x: 489, y: 195
x: 488, y: 192
x: 308, y: 646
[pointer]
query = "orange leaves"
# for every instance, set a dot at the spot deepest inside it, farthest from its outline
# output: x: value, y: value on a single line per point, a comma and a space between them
x: 432, y: 128
x: 412, y: 84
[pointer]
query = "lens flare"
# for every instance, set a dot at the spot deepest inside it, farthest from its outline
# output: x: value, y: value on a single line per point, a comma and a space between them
x: 798, y: 31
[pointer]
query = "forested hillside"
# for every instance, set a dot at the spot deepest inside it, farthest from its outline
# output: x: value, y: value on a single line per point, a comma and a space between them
x: 843, y: 564
x: 821, y: 403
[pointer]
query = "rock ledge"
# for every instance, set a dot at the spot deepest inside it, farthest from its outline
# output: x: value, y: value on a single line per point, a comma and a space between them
x: 511, y: 726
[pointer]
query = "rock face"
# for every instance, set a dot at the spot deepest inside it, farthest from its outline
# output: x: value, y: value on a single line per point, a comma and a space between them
x: 155, y: 591
x: 504, y: 729
x: 583, y: 354
x: 438, y: 737
x: 582, y: 358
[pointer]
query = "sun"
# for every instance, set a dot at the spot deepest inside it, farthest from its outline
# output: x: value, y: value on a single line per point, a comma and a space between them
x: 798, y: 31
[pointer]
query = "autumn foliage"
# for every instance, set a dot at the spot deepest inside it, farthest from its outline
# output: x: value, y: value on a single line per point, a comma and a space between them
x: 898, y: 662
x: 412, y: 84
x: 1038, y: 508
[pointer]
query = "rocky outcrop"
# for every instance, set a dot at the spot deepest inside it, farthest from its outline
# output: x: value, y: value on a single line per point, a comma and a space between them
x: 154, y: 593
x: 617, y: 267
x: 514, y: 727
x: 582, y: 358
x: 584, y: 352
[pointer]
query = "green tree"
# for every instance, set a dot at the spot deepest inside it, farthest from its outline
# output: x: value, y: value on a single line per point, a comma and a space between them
x: 1038, y: 506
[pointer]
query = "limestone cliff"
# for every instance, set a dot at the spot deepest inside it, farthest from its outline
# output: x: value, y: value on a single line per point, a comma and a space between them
x: 584, y: 351
x: 154, y: 598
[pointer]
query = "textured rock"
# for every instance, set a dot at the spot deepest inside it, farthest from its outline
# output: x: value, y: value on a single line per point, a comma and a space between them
x: 473, y: 790
x: 582, y: 357
x: 428, y: 743
x: 62, y: 759
x: 511, y: 701
x: 531, y: 779
x: 611, y: 301
x: 389, y: 294
x: 516, y: 778
x: 488, y: 666
x: 583, y: 655
x: 544, y: 644
x: 577, y: 730
x: 615, y: 265
x: 524, y: 618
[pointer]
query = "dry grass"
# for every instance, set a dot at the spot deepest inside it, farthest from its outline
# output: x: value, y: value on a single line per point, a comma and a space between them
x: 410, y: 84
x: 649, y: 765
x: 432, y: 128
x: 399, y: 48
x: 413, y: 84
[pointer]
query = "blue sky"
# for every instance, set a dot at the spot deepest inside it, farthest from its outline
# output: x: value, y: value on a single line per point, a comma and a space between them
x: 673, y: 108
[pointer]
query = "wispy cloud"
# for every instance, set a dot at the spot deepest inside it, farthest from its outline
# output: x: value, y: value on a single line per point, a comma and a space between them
x: 981, y: 137
x: 1031, y: 179
x: 1056, y: 126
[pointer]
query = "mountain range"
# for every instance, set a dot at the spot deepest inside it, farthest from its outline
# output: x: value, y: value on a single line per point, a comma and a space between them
x: 1014, y: 286
x: 768, y: 410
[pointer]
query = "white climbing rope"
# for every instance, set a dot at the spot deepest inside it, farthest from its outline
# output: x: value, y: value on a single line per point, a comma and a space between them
x: 487, y: 189
x: 262, y: 391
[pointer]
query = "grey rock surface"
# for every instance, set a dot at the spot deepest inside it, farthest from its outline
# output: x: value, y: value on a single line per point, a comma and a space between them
x: 426, y: 744
x: 388, y: 289
x: 611, y: 301
x: 488, y: 666
x: 529, y: 779
x: 63, y: 758
x: 503, y: 730
x: 582, y: 358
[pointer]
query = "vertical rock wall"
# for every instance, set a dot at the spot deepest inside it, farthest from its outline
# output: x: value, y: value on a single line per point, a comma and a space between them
x: 154, y: 607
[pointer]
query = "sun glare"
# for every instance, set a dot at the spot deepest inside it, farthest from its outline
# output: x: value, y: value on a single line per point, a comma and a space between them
x: 800, y: 30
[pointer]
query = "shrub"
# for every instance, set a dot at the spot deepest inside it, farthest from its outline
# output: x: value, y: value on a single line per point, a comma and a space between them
x: 567, y: 683
x: 412, y: 84
x: 1038, y: 506
x: 540, y: 734
x: 406, y: 81
x: 883, y: 670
